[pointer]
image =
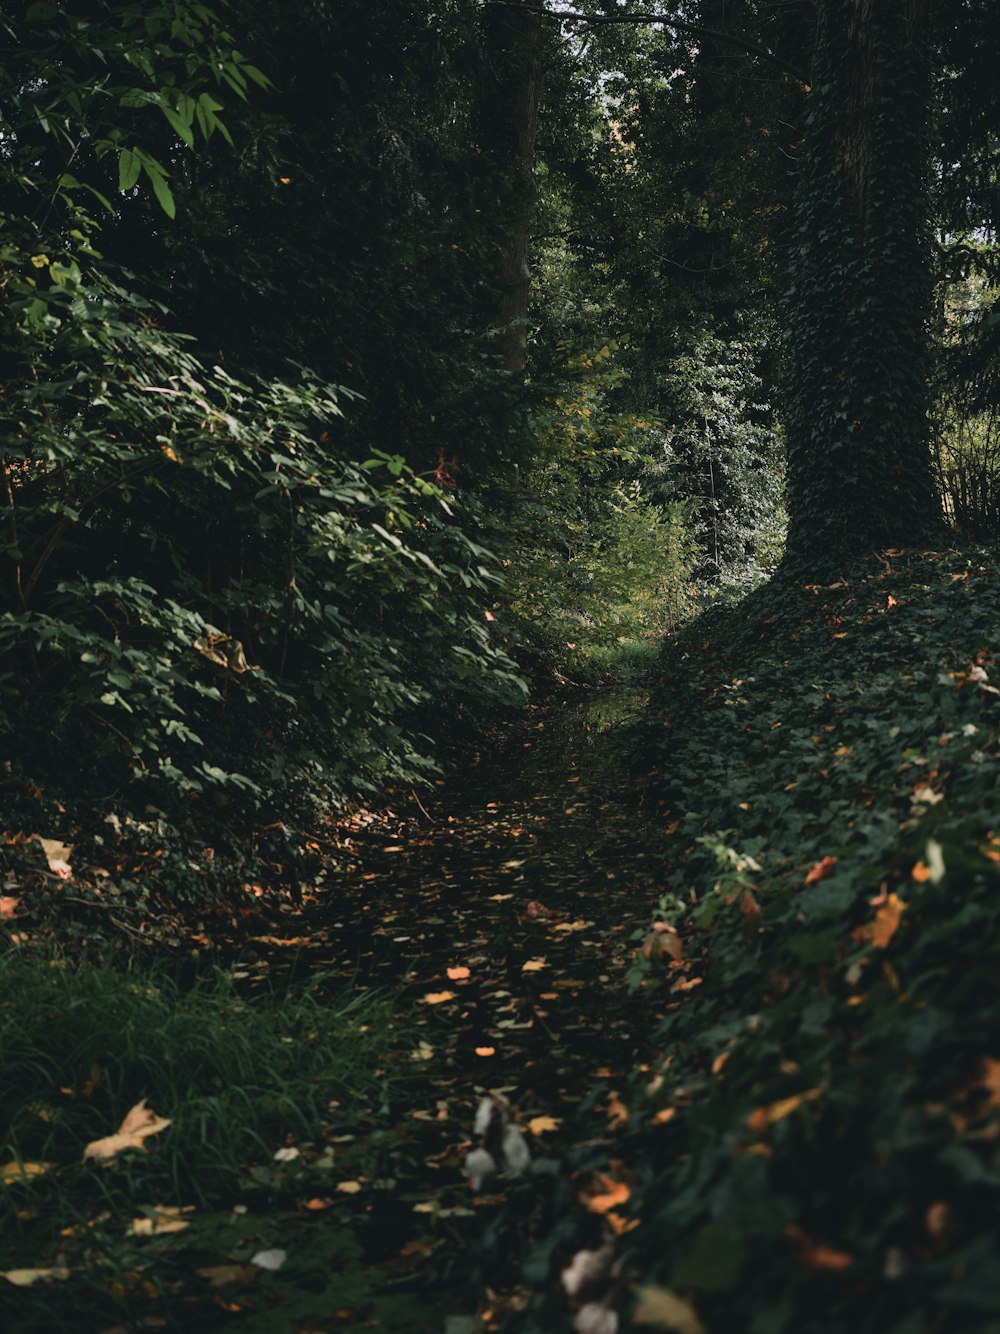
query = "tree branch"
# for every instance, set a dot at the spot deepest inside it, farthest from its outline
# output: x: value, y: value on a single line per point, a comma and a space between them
x: 678, y: 25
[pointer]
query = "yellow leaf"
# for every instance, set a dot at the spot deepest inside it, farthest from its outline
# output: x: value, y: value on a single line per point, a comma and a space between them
x: 139, y: 1124
x: 663, y: 1308
x: 348, y: 1187
x: 24, y: 1278
x: 163, y: 1219
x: 538, y: 1125
x: 21, y: 1171
x: 218, y: 1275
x: 889, y: 909
x: 438, y: 997
x: 533, y: 966
x: 777, y: 1111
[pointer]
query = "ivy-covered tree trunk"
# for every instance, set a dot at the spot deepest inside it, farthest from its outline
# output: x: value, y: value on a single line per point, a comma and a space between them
x: 508, y: 118
x: 859, y: 468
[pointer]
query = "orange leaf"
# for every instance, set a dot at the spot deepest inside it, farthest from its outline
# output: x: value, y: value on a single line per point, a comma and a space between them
x: 616, y: 1193
x: 814, y: 1256
x: 991, y: 1080
x: 538, y: 1125
x: 486, y: 1051
x: 616, y: 1111
x: 820, y: 871
x: 456, y: 974
x: 437, y: 997
x: 889, y: 909
x: 764, y: 1117
x: 921, y: 873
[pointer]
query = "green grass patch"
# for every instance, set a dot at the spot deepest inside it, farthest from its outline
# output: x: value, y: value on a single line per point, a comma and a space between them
x: 242, y: 1077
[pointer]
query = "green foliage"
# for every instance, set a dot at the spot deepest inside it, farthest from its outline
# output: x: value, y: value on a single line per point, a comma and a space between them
x: 593, y: 564
x: 831, y: 758
x: 215, y: 597
x: 723, y: 455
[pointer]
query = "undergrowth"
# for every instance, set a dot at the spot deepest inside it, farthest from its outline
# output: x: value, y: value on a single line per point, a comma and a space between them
x: 169, y: 1233
x: 813, y: 1144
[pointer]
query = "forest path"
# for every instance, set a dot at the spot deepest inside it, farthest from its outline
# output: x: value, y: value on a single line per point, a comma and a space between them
x: 506, y: 902
x: 501, y: 914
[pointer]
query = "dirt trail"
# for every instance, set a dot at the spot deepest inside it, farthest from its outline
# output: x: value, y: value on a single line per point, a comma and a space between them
x: 501, y: 912
x: 530, y: 869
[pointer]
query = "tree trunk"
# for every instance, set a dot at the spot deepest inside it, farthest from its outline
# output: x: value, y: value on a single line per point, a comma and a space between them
x: 859, y: 464
x: 508, y: 119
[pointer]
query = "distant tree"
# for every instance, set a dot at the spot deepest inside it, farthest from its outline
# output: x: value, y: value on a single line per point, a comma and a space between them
x: 859, y: 466
x: 508, y: 117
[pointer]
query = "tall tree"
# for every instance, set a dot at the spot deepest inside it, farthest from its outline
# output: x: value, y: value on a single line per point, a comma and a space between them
x: 511, y: 84
x: 859, y: 472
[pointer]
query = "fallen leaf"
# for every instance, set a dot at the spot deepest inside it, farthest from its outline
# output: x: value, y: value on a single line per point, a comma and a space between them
x: 486, y: 1051
x: 272, y: 1259
x: 764, y: 1117
x: 316, y: 1204
x: 21, y: 1171
x: 57, y: 855
x: 349, y: 1187
x: 140, y: 1123
x: 216, y: 1276
x: 608, y: 1195
x: 287, y: 1155
x: 456, y: 974
x: 24, y: 1278
x: 663, y: 1308
x: 163, y: 1218
x: 533, y: 965
x: 596, y: 1318
x: 820, y: 871
x: 889, y: 910
x: 437, y: 997
x: 616, y: 1112
x: 538, y: 1125
x: 991, y: 1080
x: 8, y: 907
x: 813, y: 1255
x: 585, y: 1268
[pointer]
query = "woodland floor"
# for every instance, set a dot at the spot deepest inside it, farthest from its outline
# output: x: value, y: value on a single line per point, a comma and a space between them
x: 504, y: 906
x: 496, y: 911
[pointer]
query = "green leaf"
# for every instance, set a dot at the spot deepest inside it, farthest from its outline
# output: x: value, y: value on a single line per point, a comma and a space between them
x: 177, y: 122
x: 162, y: 191
x: 129, y: 169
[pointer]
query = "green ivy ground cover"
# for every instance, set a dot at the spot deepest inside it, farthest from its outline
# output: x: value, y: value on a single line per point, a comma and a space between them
x: 813, y: 1145
x: 833, y: 1163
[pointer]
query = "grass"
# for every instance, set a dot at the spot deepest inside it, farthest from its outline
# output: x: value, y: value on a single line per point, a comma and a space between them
x: 241, y: 1077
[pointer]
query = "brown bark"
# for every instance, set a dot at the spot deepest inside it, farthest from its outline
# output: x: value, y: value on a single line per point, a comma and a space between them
x: 508, y: 119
